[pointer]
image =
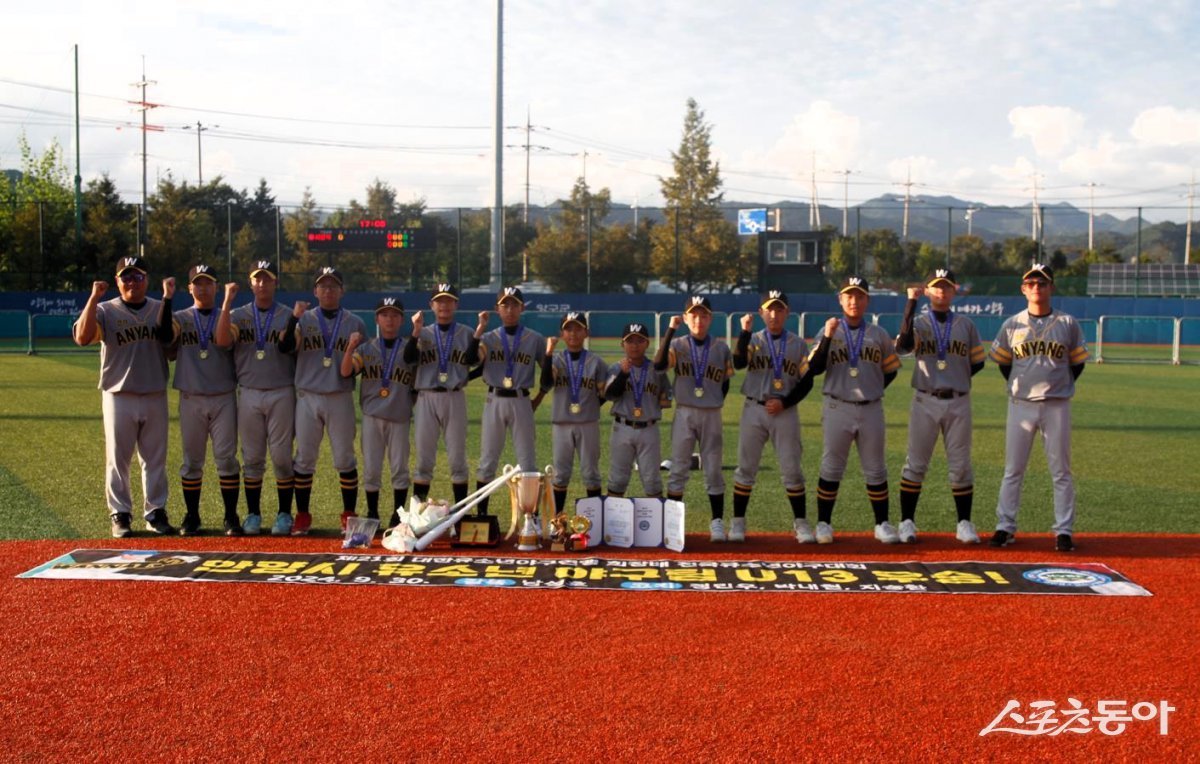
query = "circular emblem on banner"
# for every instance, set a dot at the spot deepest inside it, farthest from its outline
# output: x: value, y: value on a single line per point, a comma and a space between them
x: 1068, y: 577
x: 644, y: 525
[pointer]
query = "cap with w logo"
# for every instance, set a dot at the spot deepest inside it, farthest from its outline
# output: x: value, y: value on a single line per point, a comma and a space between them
x: 1039, y: 271
x: 573, y: 317
x: 634, y: 329
x: 510, y: 293
x: 200, y: 271
x: 390, y: 303
x: 444, y: 290
x: 942, y: 274
x: 263, y: 266
x: 134, y: 263
x: 328, y: 271
x: 855, y: 282
x: 697, y: 302
x: 774, y: 296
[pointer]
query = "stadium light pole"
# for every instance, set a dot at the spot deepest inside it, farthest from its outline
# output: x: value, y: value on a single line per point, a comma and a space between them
x: 498, y: 185
x: 1091, y: 187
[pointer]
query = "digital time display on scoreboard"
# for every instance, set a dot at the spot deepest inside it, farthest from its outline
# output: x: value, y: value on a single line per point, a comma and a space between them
x: 370, y: 235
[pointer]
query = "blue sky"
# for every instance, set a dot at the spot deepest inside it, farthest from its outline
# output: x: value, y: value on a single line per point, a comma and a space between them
x: 982, y: 100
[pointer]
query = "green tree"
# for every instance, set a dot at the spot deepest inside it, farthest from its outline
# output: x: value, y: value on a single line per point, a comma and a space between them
x: 299, y: 262
x: 695, y: 247
x: 559, y: 254
x: 37, y: 211
x: 109, y: 230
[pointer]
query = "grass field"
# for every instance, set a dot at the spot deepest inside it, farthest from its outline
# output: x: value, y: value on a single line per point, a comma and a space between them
x: 1133, y: 450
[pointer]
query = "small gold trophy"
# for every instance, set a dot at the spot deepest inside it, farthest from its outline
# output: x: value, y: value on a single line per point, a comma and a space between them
x: 569, y: 534
x: 530, y: 494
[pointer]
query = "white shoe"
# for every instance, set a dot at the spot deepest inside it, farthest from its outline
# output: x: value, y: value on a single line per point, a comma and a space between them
x: 966, y: 532
x: 737, y: 529
x: 716, y: 531
x: 885, y: 533
x: 824, y: 533
x: 804, y: 534
x: 908, y: 532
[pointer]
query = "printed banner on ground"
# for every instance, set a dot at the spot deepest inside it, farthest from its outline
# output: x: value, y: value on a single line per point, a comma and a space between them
x: 591, y: 573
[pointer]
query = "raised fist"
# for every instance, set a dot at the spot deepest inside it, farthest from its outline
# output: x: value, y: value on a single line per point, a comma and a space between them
x: 299, y: 308
x: 831, y: 326
x: 98, y: 289
x: 747, y: 322
x: 676, y: 321
x: 550, y: 343
x: 169, y: 287
x: 626, y: 365
x: 356, y: 339
x: 915, y: 292
x: 231, y: 290
x: 418, y: 322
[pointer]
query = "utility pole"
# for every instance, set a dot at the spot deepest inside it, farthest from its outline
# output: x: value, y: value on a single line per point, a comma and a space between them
x: 814, y: 212
x: 845, y: 200
x: 144, y: 106
x: 1036, y: 218
x: 1091, y: 187
x: 78, y: 176
x: 908, y: 184
x: 497, y: 276
x: 970, y: 214
x: 527, y: 147
x: 199, y: 156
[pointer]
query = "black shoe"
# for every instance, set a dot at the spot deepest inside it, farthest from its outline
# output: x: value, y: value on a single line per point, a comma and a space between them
x: 1064, y: 543
x: 1002, y: 538
x: 157, y: 522
x: 190, y: 525
x: 233, y: 526
x: 122, y: 525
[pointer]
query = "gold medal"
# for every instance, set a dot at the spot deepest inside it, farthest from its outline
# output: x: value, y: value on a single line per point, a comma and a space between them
x: 261, y: 354
x: 698, y: 392
x: 637, y: 412
x: 777, y: 384
x: 328, y: 362
x: 384, y: 392
x: 507, y: 382
x: 942, y: 365
x: 854, y: 371
x: 203, y: 354
x: 576, y: 408
x: 443, y: 377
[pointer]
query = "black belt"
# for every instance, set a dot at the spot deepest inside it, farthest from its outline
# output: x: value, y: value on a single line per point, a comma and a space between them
x: 852, y: 403
x: 506, y: 393
x: 756, y: 400
x: 944, y: 395
x: 633, y: 424
x: 440, y: 390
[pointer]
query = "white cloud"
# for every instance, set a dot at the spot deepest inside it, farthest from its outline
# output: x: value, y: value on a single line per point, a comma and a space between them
x: 1167, y: 126
x: 1051, y: 129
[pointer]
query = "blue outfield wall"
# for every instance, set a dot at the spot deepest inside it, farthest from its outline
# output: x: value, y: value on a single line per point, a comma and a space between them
x: 988, y: 312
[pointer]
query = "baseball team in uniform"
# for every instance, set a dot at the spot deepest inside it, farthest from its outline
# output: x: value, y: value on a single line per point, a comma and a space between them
x: 281, y: 380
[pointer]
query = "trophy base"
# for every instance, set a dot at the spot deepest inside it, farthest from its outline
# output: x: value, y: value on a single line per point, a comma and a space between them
x: 558, y: 546
x: 528, y: 545
x: 479, y: 530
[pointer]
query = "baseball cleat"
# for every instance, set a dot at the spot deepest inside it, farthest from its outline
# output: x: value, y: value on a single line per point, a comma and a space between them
x: 190, y: 525
x: 804, y: 534
x: 283, y: 525
x: 122, y: 525
x: 1002, y: 538
x: 966, y: 532
x: 737, y: 529
x: 233, y: 526
x: 908, y: 532
x: 1064, y: 543
x: 157, y: 522
x: 716, y: 531
x: 885, y: 533
x: 252, y: 525
x: 302, y: 524
x: 824, y: 533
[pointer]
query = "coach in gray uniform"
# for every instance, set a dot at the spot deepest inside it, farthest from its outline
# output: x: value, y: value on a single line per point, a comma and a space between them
x: 442, y: 354
x: 385, y: 395
x: 703, y: 366
x: 134, y: 332
x: 1040, y: 352
x: 858, y: 360
x: 777, y: 379
x: 511, y: 357
x: 265, y: 362
x: 205, y: 379
x: 639, y: 393
x: 577, y: 377
x: 948, y: 353
x: 324, y: 398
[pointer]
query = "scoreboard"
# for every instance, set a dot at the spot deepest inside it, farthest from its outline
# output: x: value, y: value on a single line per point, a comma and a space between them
x: 371, y: 235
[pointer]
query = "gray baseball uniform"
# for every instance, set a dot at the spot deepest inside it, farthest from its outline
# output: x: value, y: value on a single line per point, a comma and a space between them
x: 386, y: 415
x: 578, y: 381
x: 441, y: 356
x: 638, y: 400
x: 266, y: 407
x: 133, y: 378
x: 205, y: 379
x: 774, y: 368
x: 701, y: 371
x: 324, y: 399
x: 511, y: 361
x: 1041, y: 351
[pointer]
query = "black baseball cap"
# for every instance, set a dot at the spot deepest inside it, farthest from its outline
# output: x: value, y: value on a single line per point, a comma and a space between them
x: 634, y: 328
x: 697, y: 302
x: 774, y: 295
x: 573, y: 317
x: 940, y: 275
x: 328, y: 271
x: 390, y: 303
x: 851, y: 283
x: 444, y: 290
x: 1039, y: 271
x: 201, y: 271
x: 134, y: 263
x: 264, y: 266
x: 510, y: 293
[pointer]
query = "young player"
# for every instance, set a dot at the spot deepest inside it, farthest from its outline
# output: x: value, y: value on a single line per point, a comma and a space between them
x: 1040, y: 352
x: 265, y: 362
x: 948, y: 353
x: 133, y: 331
x: 777, y: 380
x: 385, y: 395
x: 703, y: 366
x: 577, y: 377
x: 324, y: 398
x: 639, y: 393
x: 510, y: 358
x: 858, y: 360
x: 442, y: 354
x: 205, y: 379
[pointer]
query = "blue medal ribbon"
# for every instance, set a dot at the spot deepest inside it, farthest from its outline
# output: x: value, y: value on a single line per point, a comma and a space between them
x: 941, y: 341
x: 575, y: 375
x: 329, y: 337
x: 445, y: 341
x: 699, y: 361
x: 777, y: 354
x: 205, y: 331
x: 854, y: 343
x: 510, y: 354
x: 389, y: 362
x: 639, y: 385
x: 261, y: 327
